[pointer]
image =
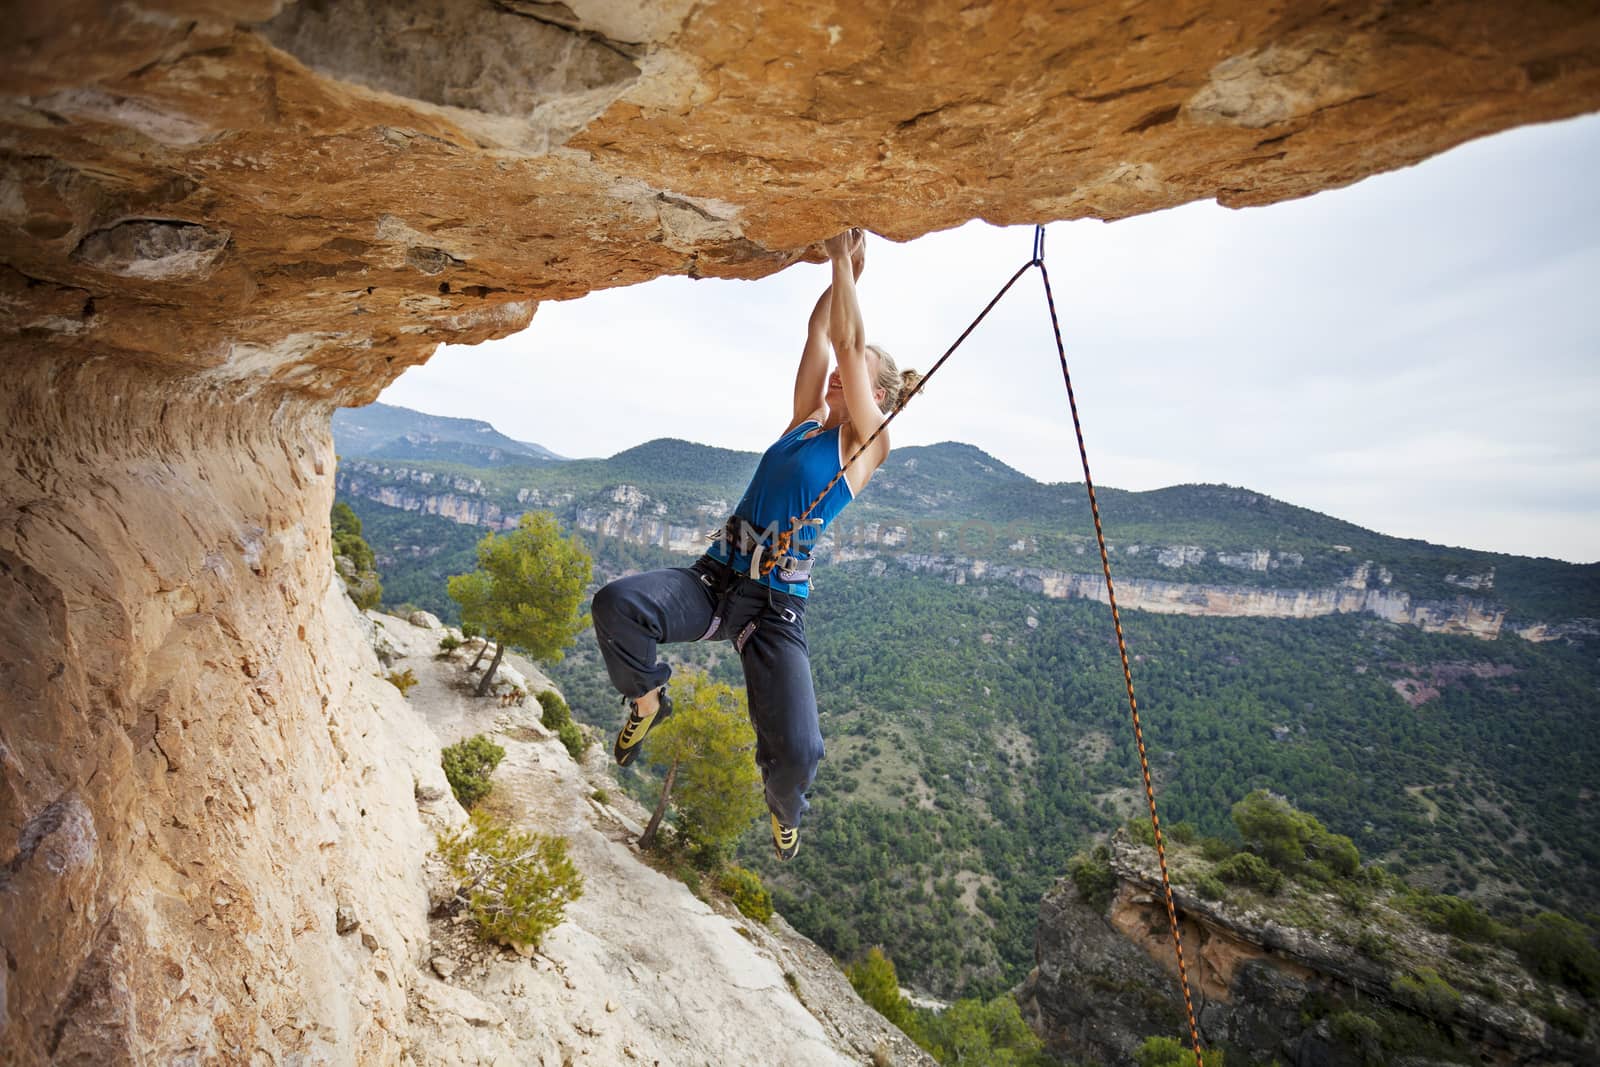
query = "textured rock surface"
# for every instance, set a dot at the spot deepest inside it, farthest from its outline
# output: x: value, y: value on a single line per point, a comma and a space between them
x: 218, y: 219
x: 640, y: 970
x: 316, y: 194
x: 200, y: 767
x: 1106, y: 976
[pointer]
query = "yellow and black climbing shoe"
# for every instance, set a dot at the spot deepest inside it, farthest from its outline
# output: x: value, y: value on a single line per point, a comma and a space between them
x: 785, y: 839
x: 637, y: 728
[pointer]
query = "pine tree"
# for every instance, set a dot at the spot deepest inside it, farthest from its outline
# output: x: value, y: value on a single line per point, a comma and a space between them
x: 526, y: 590
x: 708, y: 748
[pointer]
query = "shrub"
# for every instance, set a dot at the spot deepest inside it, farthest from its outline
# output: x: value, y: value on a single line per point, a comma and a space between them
x: 1183, y: 833
x: 1359, y: 1033
x: 1243, y: 868
x: 555, y: 711
x: 402, y: 680
x: 1141, y: 831
x: 1442, y: 911
x: 1351, y: 897
x: 1092, y: 874
x: 744, y: 888
x: 573, y: 737
x: 468, y: 765
x: 1336, y: 850
x: 448, y: 644
x: 1373, y: 945
x: 1270, y: 824
x: 1215, y: 849
x: 1170, y: 1052
x: 1558, y: 949
x: 601, y: 796
x: 875, y: 981
x: 1426, y: 992
x: 515, y: 884
x: 1566, y: 1019
x: 1208, y: 885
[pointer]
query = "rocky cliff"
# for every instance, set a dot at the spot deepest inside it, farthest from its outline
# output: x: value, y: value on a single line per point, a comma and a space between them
x: 1460, y: 616
x: 632, y: 518
x: 1276, y: 978
x: 220, y: 220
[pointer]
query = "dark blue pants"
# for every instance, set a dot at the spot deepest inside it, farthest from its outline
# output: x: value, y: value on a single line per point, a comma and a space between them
x: 707, y: 602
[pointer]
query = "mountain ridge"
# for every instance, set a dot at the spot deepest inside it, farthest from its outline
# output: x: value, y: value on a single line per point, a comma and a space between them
x: 958, y: 503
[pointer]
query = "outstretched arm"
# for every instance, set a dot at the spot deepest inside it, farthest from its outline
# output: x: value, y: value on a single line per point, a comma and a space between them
x: 811, y: 378
x: 848, y: 335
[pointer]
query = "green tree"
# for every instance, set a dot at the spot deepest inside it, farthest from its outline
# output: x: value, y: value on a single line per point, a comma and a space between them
x: 1270, y: 824
x: 982, y: 1033
x: 1556, y: 948
x: 708, y: 748
x: 526, y: 590
x: 348, y: 543
x: 876, y: 982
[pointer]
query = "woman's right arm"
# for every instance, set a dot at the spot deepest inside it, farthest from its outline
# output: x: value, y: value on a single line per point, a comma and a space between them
x: 811, y: 379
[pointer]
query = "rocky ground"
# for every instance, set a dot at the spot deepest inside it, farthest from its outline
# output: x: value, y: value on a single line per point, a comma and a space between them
x: 641, y: 970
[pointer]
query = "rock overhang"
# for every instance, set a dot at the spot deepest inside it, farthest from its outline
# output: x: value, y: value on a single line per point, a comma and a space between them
x: 313, y: 196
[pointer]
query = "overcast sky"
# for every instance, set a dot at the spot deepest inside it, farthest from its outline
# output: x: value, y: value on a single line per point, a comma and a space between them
x: 1419, y: 353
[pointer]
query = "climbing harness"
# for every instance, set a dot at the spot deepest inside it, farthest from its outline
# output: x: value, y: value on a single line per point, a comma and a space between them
x: 782, y: 544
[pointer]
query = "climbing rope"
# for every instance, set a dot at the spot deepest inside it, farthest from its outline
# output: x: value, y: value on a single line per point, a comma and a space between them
x: 782, y: 546
x: 1122, y: 649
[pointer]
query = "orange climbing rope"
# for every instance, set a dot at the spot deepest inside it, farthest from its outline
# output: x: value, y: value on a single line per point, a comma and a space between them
x: 782, y: 546
x: 1122, y: 649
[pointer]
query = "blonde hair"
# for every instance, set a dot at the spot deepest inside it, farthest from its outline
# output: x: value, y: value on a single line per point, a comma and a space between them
x: 894, y: 382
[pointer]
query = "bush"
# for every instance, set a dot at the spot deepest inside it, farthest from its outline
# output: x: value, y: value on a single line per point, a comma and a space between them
x: 573, y: 737
x: 402, y: 680
x: 1351, y: 897
x: 1373, y: 945
x: 1170, y: 1052
x: 555, y: 711
x: 468, y: 765
x: 1427, y: 993
x: 515, y: 884
x: 361, y: 578
x: 1208, y: 885
x: 1359, y: 1033
x: 1092, y: 874
x: 744, y: 888
x: 1566, y: 1019
x: 448, y: 644
x: 1336, y: 850
x: 875, y: 981
x: 1183, y: 833
x: 1141, y: 831
x: 1270, y: 825
x: 1243, y: 868
x: 1559, y: 950
x: 1452, y: 914
x: 601, y: 796
x: 1216, y: 849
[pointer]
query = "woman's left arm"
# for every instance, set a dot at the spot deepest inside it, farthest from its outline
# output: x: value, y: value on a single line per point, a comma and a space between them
x: 848, y: 335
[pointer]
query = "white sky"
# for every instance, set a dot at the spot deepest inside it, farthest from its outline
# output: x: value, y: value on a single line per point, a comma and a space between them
x: 1416, y: 353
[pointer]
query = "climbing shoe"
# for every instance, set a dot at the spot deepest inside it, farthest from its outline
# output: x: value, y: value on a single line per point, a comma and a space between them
x: 637, y: 728
x: 785, y: 839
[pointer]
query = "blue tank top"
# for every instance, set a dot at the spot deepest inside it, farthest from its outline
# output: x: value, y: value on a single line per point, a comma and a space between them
x: 791, y: 473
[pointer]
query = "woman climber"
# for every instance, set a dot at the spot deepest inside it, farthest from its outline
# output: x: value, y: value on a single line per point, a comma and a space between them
x: 750, y: 587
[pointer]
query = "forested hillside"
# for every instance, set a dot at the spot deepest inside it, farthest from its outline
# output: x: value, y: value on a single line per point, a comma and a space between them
x: 977, y: 732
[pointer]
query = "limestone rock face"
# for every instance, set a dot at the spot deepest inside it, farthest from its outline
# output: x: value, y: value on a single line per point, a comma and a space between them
x: 218, y: 220
x: 317, y: 194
